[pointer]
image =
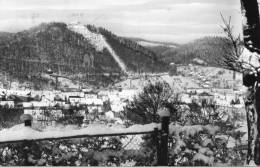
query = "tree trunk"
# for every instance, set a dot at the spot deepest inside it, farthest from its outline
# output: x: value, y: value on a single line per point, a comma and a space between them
x: 251, y: 32
x: 257, y: 127
x: 252, y: 112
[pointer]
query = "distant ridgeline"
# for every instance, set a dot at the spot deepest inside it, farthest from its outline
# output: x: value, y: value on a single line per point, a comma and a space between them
x: 72, y: 50
x: 205, y: 51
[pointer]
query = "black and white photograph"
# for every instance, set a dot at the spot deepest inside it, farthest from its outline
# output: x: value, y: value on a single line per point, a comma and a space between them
x: 129, y: 83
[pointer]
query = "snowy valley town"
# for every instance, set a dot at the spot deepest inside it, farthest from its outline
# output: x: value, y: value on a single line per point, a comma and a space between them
x: 129, y: 83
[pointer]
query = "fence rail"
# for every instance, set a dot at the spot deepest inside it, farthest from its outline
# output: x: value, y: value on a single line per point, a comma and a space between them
x: 22, y: 133
x: 77, y: 136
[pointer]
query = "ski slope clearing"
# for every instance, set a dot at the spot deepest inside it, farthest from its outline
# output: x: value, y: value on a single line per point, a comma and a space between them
x: 98, y: 41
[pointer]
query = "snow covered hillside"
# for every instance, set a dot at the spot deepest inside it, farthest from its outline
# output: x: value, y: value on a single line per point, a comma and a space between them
x: 98, y: 41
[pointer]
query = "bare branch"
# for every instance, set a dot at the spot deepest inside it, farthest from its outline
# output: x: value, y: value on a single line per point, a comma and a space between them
x: 232, y: 48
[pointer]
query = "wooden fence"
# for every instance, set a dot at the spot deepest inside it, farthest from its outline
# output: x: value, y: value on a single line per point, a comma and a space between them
x: 159, y: 133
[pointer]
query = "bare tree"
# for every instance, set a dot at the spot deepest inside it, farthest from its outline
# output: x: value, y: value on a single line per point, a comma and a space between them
x: 144, y: 107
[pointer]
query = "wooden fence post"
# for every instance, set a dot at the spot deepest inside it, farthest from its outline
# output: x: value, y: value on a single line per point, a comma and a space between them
x: 163, y: 144
x: 164, y: 140
x: 27, y: 119
x: 157, y: 144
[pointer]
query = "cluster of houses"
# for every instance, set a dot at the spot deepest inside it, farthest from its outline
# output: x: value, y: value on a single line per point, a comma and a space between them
x: 52, y: 105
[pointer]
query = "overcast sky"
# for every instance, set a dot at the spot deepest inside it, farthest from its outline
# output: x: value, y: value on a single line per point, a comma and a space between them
x: 163, y: 20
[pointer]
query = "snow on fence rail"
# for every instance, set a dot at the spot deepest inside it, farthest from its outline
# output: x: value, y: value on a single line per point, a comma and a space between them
x: 20, y: 132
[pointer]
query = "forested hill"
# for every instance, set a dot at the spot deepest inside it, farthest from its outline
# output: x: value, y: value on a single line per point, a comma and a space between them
x: 208, y: 50
x: 72, y: 49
